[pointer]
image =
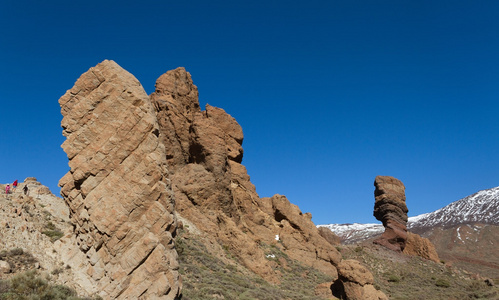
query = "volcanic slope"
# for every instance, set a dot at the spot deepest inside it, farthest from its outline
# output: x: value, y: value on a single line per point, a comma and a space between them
x: 465, y: 232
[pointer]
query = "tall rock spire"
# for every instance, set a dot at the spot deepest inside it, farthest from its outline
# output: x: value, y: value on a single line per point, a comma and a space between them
x: 117, y: 189
x: 390, y: 208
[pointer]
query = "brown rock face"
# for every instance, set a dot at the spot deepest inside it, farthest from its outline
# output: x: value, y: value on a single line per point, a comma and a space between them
x: 128, y: 152
x: 390, y: 208
x: 330, y: 236
x: 213, y: 189
x: 356, y: 282
x: 420, y: 246
x: 117, y: 189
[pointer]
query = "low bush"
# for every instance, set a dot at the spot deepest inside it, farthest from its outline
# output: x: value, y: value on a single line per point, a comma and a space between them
x: 442, y: 283
x: 16, y: 251
x: 30, y: 285
x: 206, y: 276
x: 393, y: 278
x: 52, y: 232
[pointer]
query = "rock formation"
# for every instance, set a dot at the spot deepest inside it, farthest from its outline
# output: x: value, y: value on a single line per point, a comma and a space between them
x: 330, y: 236
x: 420, y: 246
x: 356, y: 282
x: 213, y: 190
x: 391, y: 210
x: 117, y: 189
x: 24, y: 222
x: 128, y: 152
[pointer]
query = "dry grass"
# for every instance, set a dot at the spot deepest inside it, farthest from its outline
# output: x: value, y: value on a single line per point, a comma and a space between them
x: 403, y: 277
x: 27, y: 283
x: 52, y: 231
x: 207, y: 277
x: 18, y: 259
x: 31, y: 285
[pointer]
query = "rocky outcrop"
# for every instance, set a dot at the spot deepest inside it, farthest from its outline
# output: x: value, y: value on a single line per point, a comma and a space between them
x: 29, y: 224
x: 120, y: 199
x: 420, y: 246
x: 330, y: 236
x: 214, y: 192
x: 391, y: 210
x: 355, y: 282
x: 213, y: 189
x: 4, y: 267
x: 128, y: 152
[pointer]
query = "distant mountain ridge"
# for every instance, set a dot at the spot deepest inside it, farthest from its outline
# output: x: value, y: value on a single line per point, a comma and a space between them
x: 481, y: 207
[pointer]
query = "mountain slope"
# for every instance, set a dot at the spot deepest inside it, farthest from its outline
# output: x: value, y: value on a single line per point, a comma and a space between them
x: 465, y: 232
x: 481, y: 207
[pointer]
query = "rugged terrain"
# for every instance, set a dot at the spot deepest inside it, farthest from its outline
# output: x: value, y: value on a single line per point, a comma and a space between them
x: 465, y: 232
x: 157, y: 205
x: 31, y: 228
x: 406, y: 277
x: 139, y: 164
x: 209, y: 270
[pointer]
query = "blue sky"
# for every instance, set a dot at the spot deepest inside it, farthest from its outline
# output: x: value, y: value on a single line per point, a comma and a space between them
x: 329, y: 93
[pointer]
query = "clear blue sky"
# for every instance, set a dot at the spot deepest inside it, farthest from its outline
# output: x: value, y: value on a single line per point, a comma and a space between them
x: 329, y: 93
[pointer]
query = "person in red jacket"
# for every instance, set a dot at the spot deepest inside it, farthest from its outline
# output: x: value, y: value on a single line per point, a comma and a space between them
x: 14, y: 185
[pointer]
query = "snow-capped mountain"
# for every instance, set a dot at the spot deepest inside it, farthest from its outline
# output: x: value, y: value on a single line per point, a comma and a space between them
x: 354, y: 233
x: 481, y: 207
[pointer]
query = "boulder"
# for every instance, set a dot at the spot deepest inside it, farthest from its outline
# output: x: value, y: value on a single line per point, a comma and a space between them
x: 4, y: 267
x: 117, y: 189
x: 355, y: 282
x: 329, y: 236
x: 420, y: 246
x: 390, y: 208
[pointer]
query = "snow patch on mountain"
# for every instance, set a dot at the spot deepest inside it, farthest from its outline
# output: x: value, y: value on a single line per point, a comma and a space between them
x: 353, y: 233
x: 481, y: 207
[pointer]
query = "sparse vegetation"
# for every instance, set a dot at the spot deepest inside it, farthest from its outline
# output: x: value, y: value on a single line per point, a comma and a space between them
x: 393, y: 278
x: 18, y: 259
x: 442, y: 283
x: 52, y: 231
x: 14, y: 252
x: 31, y: 285
x: 412, y: 278
x: 57, y: 271
x: 206, y: 276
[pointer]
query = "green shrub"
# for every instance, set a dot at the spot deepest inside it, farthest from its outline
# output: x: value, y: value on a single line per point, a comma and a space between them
x: 54, y: 235
x: 50, y: 226
x: 442, y: 283
x: 56, y: 271
x: 393, y: 278
x: 30, y: 285
x: 16, y: 251
x: 52, y: 232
